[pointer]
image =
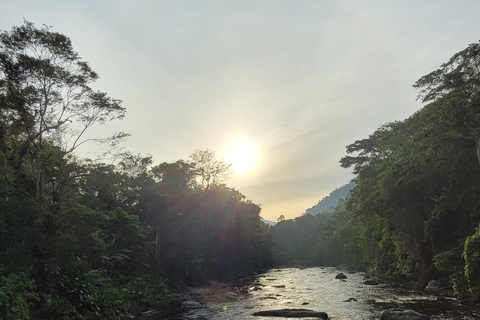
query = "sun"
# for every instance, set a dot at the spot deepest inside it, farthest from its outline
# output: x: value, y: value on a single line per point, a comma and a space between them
x: 242, y: 154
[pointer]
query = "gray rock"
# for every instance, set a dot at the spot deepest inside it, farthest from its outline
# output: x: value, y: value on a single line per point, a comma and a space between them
x: 434, y: 286
x: 191, y: 304
x: 370, y: 282
x: 231, y: 296
x: 150, y: 313
x: 292, y: 313
x: 350, y: 300
x: 402, y: 315
x: 341, y: 276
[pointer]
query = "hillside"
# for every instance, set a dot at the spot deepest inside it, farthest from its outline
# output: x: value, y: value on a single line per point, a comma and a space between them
x: 329, y: 202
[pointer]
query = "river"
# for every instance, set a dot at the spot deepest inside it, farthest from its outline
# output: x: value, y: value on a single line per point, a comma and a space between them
x: 317, y: 289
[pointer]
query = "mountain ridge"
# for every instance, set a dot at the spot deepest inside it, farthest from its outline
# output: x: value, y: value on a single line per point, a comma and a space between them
x: 329, y: 202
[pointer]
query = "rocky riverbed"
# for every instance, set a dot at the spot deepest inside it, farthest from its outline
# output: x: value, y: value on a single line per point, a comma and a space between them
x: 321, y: 290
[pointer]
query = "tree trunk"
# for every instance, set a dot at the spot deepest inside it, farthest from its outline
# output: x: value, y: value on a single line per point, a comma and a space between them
x: 478, y: 150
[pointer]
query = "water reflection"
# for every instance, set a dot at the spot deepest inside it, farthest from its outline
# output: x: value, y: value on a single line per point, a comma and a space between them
x: 317, y: 289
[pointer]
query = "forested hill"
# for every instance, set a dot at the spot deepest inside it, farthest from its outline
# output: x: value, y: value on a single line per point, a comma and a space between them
x: 330, y: 202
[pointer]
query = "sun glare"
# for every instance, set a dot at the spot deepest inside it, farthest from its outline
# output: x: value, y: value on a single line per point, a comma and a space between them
x: 242, y: 154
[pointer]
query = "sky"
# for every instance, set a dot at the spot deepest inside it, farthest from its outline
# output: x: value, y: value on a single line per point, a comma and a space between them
x: 299, y: 80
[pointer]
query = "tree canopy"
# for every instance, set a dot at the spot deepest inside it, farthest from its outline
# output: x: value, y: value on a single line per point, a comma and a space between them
x: 81, y: 237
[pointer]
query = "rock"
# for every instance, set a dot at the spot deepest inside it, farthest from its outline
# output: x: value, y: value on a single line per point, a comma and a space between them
x: 127, y: 317
x: 266, y: 298
x: 292, y: 313
x: 402, y: 315
x: 341, y: 276
x: 150, y: 313
x: 350, y: 300
x: 191, y: 304
x: 216, y: 284
x: 434, y: 286
x: 231, y: 295
x: 305, y: 303
x: 280, y: 286
x: 370, y: 282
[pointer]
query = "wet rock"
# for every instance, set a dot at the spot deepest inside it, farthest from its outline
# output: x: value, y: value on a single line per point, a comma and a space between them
x: 150, y: 313
x: 191, y: 304
x: 434, y: 286
x: 305, y: 303
x: 402, y: 315
x: 292, y: 313
x: 350, y: 300
x: 370, y: 282
x: 231, y: 295
x: 266, y: 298
x: 341, y: 276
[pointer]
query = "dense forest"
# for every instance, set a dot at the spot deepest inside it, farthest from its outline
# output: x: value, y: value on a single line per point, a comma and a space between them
x: 414, y: 213
x: 86, y: 238
x: 82, y: 238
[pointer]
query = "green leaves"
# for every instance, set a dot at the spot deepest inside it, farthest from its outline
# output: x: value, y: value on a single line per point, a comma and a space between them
x: 419, y: 176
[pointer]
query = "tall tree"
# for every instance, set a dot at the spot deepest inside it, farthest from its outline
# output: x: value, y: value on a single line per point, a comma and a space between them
x: 209, y: 171
x: 46, y: 97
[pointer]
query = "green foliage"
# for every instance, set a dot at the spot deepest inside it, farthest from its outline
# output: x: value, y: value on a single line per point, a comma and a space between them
x: 471, y: 254
x: 415, y: 202
x: 447, y: 263
x: 324, y: 239
x: 17, y: 295
x: 81, y: 238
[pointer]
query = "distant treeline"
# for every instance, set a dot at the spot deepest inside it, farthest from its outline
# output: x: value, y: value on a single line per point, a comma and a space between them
x: 415, y: 211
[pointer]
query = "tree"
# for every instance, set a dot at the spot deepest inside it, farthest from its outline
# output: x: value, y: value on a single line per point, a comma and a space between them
x: 210, y: 172
x: 457, y: 80
x: 46, y: 98
x: 415, y: 202
x: 281, y: 218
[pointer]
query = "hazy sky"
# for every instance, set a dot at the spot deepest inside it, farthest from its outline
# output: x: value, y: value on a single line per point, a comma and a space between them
x: 301, y: 79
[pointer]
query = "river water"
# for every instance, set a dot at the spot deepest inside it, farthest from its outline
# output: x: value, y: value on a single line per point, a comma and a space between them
x: 317, y: 289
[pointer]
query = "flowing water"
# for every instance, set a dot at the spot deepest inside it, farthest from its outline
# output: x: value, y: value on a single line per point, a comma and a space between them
x: 317, y: 289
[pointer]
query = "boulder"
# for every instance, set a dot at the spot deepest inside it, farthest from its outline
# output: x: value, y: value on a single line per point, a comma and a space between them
x: 402, y: 315
x: 292, y: 313
x: 191, y: 304
x: 150, y: 313
x: 350, y: 300
x: 341, y: 276
x: 370, y: 282
x: 434, y: 286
